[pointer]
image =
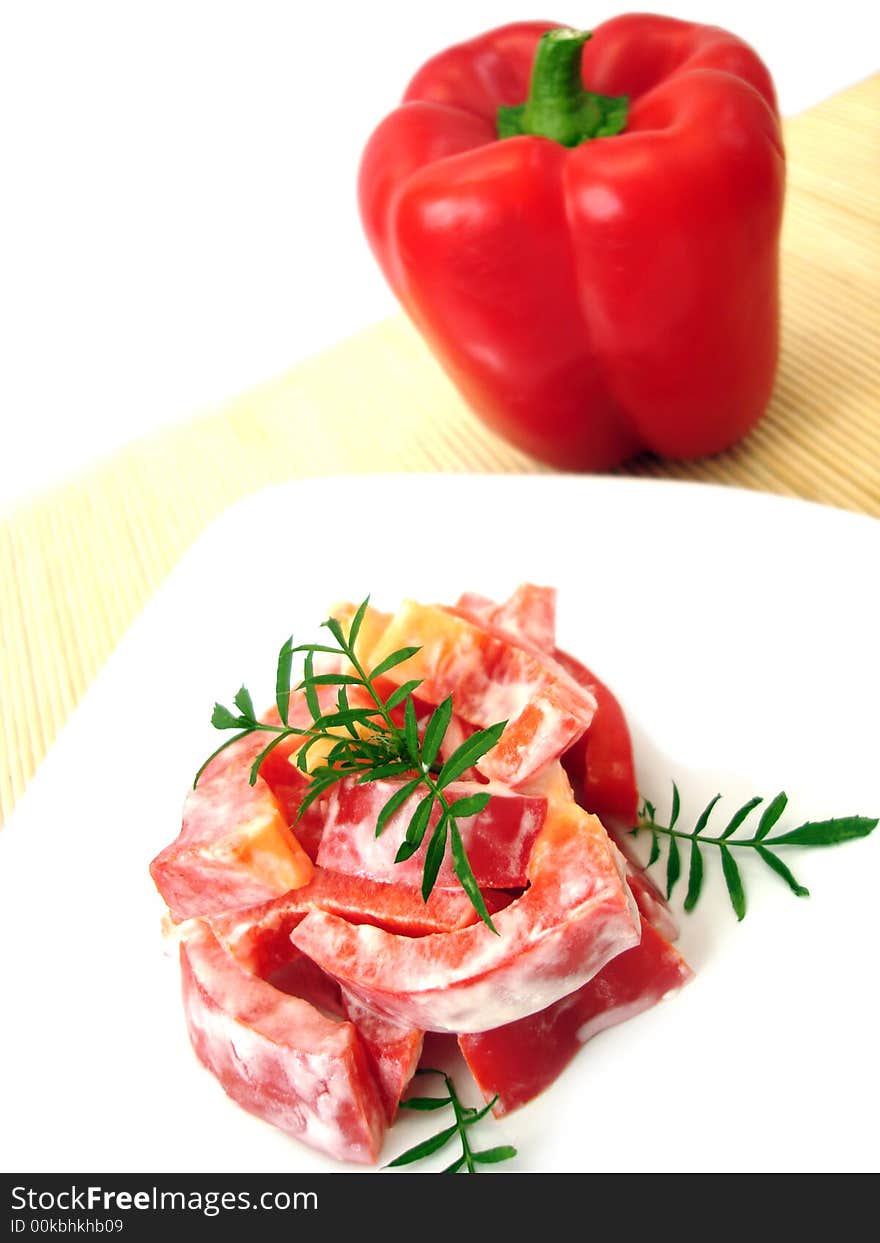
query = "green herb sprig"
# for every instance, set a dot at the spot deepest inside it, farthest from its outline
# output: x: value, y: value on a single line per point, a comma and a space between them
x: 812, y: 833
x: 464, y: 1118
x: 373, y: 747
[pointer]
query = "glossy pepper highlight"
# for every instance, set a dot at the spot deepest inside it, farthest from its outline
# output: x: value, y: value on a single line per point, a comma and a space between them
x: 587, y: 233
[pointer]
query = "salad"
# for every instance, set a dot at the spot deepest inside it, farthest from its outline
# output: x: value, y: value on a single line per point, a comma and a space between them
x: 429, y: 831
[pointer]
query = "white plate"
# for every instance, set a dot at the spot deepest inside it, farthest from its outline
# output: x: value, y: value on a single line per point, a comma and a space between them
x: 740, y: 632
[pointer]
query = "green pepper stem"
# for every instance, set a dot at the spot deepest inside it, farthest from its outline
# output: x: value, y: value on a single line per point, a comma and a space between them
x: 558, y: 107
x: 556, y: 91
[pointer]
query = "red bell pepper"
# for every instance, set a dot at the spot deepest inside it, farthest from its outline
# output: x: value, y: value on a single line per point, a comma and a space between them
x: 597, y: 270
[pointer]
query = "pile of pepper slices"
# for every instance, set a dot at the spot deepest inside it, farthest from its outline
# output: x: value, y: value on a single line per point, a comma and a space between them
x: 312, y: 964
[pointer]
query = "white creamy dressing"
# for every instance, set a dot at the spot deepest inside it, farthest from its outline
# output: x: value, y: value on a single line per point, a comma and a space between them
x: 504, y: 701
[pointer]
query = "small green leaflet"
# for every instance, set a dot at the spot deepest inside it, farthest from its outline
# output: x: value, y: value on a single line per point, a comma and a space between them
x: 416, y: 829
x: 673, y: 866
x: 733, y: 880
x: 774, y: 862
x: 397, y: 697
x: 465, y: 1118
x: 771, y: 814
x: 411, y: 730
x: 428, y: 1146
x: 491, y: 1156
x: 435, y: 731
x: 466, y: 876
x: 282, y: 680
x: 471, y: 750
x: 695, y: 876
x: 676, y: 806
x: 825, y: 832
x: 375, y: 748
x: 470, y: 805
x: 739, y: 816
x: 813, y: 833
x: 356, y: 622
x: 222, y: 718
x: 434, y: 855
x: 308, y: 684
x: 396, y: 802
x: 390, y: 662
x: 244, y: 703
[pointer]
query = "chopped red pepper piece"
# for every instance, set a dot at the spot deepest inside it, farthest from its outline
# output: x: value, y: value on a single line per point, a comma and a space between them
x: 235, y: 847
x: 528, y: 617
x: 279, y: 1057
x: 393, y: 1050
x: 602, y: 760
x: 492, y: 679
x: 259, y: 936
x: 517, y: 1061
x: 575, y: 916
x: 498, y: 840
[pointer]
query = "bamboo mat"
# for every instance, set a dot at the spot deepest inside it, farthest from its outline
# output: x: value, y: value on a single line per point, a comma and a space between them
x: 79, y: 563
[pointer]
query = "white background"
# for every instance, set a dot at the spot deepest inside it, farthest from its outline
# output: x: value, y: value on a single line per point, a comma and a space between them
x: 177, y: 212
